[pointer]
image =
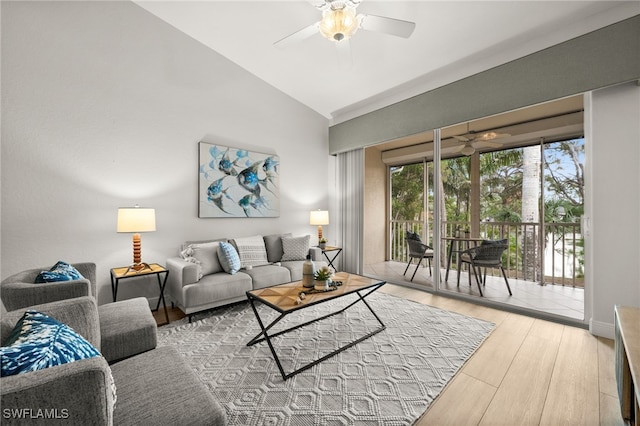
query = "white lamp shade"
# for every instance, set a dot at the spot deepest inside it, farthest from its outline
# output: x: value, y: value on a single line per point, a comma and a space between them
x: 136, y: 219
x: 319, y: 217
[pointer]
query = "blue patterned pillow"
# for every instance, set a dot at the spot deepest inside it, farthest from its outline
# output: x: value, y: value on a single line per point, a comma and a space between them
x: 229, y: 258
x: 61, y: 271
x: 38, y: 342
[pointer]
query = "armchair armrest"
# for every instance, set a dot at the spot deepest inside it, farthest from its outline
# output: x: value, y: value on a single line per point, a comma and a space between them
x: 18, y: 295
x: 81, y: 314
x: 20, y: 290
x: 471, y: 251
x: 424, y: 246
x: 80, y: 392
x: 491, y: 251
x: 417, y: 248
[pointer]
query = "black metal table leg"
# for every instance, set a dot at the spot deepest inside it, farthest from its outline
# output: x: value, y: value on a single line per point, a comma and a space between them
x: 446, y: 276
x: 161, y: 286
x: 333, y: 258
x: 264, y: 334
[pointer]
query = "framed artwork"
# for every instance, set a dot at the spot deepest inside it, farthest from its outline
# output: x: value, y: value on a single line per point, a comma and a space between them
x: 237, y: 183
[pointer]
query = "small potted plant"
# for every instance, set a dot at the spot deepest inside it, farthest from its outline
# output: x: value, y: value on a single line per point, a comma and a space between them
x: 322, y: 277
x: 322, y: 243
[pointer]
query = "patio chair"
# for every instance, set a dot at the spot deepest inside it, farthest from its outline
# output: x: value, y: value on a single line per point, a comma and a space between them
x: 418, y: 250
x: 487, y: 255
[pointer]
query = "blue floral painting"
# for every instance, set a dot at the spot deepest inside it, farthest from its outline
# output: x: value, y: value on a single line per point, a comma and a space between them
x: 238, y: 183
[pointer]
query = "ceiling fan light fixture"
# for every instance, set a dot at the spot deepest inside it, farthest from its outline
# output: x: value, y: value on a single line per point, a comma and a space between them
x: 468, y: 150
x: 339, y: 24
x: 488, y: 136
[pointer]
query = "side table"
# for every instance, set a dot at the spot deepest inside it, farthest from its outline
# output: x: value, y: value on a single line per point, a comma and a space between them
x: 125, y: 272
x: 327, y: 249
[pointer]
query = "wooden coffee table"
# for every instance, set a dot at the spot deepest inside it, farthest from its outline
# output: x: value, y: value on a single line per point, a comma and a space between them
x: 284, y: 299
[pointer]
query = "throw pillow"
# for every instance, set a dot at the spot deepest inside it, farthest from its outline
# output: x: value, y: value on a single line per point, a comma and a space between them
x: 273, y: 244
x: 38, y: 342
x: 205, y: 255
x: 295, y: 248
x: 251, y: 251
x: 61, y: 271
x: 229, y: 258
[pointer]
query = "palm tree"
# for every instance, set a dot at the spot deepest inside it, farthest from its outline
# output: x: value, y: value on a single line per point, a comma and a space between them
x: 530, y: 210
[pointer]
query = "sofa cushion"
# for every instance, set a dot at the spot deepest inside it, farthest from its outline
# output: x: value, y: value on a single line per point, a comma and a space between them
x: 229, y: 258
x: 251, y: 251
x: 268, y: 275
x: 295, y: 248
x: 205, y: 255
x: 273, y: 245
x: 61, y: 271
x: 38, y: 342
x: 295, y: 267
x: 217, y: 287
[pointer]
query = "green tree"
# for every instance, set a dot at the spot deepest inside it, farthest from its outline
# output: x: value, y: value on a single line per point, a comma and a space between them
x: 407, y: 188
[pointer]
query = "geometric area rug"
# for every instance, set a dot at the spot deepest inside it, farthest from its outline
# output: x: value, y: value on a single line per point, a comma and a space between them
x: 389, y: 379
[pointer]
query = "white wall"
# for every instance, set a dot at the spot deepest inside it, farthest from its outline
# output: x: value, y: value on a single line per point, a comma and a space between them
x: 613, y: 120
x: 103, y: 105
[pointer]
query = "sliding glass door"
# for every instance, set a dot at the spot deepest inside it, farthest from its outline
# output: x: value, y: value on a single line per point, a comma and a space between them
x: 517, y: 178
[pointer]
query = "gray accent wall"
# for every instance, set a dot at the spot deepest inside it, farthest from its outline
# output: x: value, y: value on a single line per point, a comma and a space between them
x: 602, y: 58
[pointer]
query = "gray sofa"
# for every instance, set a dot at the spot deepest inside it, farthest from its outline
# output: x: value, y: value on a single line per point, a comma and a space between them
x: 156, y: 387
x: 192, y: 293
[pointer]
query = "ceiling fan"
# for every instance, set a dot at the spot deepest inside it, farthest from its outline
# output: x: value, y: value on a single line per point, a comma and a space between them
x: 474, y: 140
x: 339, y: 22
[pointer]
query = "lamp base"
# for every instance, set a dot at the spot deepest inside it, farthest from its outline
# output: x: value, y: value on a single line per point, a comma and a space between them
x: 138, y: 267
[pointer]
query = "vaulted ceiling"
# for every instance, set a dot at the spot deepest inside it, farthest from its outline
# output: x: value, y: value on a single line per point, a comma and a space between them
x: 452, y: 40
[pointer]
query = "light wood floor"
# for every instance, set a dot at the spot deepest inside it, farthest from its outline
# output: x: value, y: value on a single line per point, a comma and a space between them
x: 528, y: 372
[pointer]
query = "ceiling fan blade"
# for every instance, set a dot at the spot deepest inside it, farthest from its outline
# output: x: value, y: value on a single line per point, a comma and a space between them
x: 461, y: 138
x: 486, y: 144
x: 452, y: 149
x: 383, y: 24
x: 297, y: 37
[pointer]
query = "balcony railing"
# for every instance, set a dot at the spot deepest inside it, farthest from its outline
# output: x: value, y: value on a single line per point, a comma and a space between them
x: 556, y: 257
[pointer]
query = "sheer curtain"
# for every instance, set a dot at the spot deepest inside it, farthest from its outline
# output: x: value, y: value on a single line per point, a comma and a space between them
x: 350, y: 200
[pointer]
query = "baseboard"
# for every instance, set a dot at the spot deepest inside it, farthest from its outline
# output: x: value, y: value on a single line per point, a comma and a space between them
x: 601, y: 329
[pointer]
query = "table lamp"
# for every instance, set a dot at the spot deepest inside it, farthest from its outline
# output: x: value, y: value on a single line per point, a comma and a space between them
x: 319, y: 217
x: 136, y: 219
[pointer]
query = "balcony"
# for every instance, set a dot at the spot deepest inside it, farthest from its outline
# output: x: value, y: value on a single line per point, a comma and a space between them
x: 547, y: 276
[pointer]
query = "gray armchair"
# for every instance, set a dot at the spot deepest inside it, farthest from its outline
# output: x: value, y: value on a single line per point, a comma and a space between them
x: 19, y: 290
x: 80, y: 390
x: 126, y: 328
x: 487, y: 255
x: 418, y: 250
x: 155, y: 387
